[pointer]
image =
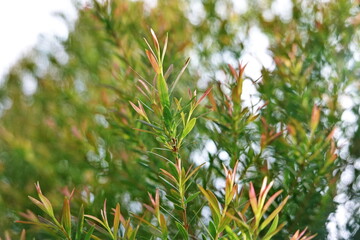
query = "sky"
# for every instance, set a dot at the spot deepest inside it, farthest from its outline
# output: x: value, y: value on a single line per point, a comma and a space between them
x: 22, y: 22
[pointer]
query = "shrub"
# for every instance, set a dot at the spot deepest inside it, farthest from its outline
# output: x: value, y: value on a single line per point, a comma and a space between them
x: 130, y: 132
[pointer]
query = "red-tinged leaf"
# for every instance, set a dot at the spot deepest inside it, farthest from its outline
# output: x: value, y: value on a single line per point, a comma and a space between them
x: 310, y: 237
x: 233, y: 71
x: 298, y: 235
x: 171, y: 177
x: 295, y: 236
x: 152, y: 199
x: 23, y: 235
x: 143, y: 130
x: 157, y: 201
x: 193, y: 172
x: 331, y: 134
x: 242, y: 216
x: 142, y: 91
x: 66, y: 216
x: 271, y: 200
x: 145, y: 86
x: 153, y: 61
x: 169, y: 71
x: 29, y: 215
x: 147, y: 43
x: 150, y: 209
x: 96, y: 220
x: 303, y: 232
x: 276, y: 135
x: 315, y: 117
x: 212, y: 101
x: 104, y: 214
x: 252, y: 198
x: 138, y: 110
x: 38, y: 188
x: 204, y: 95
x: 43, y: 225
x: 116, y: 220
x: 155, y: 40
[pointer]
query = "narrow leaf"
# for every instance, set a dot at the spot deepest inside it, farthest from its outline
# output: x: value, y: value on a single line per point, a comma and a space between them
x: 163, y: 91
x: 189, y: 126
x: 182, y: 230
x: 116, y: 220
x: 273, y: 214
x: 179, y: 75
x: 153, y: 61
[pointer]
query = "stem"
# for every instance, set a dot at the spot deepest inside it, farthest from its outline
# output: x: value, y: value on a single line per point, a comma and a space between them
x: 182, y: 194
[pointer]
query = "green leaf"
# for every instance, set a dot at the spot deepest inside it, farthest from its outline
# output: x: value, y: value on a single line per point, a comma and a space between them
x: 272, y: 228
x: 231, y: 234
x: 214, y: 204
x: 163, y: 91
x: 212, y: 229
x: 191, y: 197
x: 189, y: 126
x: 273, y: 214
x: 179, y: 75
x: 167, y: 117
x: 80, y: 224
x: 89, y: 233
x: 182, y: 230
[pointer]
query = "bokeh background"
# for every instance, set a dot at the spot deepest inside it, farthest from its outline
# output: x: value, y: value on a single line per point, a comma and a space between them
x: 56, y: 126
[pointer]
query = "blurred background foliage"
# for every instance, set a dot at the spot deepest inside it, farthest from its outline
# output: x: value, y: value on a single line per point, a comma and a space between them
x: 67, y: 123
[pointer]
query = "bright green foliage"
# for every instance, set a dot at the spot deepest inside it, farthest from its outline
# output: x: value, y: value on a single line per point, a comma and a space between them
x: 122, y: 121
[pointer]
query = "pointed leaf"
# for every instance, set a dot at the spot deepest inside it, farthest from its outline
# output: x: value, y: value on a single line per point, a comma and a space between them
x: 80, y: 224
x: 116, y: 220
x: 182, y: 230
x: 179, y: 75
x: 189, y: 126
x: 163, y: 91
x: 66, y: 216
x: 273, y: 214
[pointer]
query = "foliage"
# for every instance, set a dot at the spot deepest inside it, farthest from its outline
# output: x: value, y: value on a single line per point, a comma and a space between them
x: 129, y: 128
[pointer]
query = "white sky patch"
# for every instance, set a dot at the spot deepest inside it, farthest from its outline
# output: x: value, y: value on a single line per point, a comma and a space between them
x: 240, y: 6
x: 29, y: 84
x: 21, y: 23
x: 283, y: 9
x: 257, y: 53
x: 196, y: 12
